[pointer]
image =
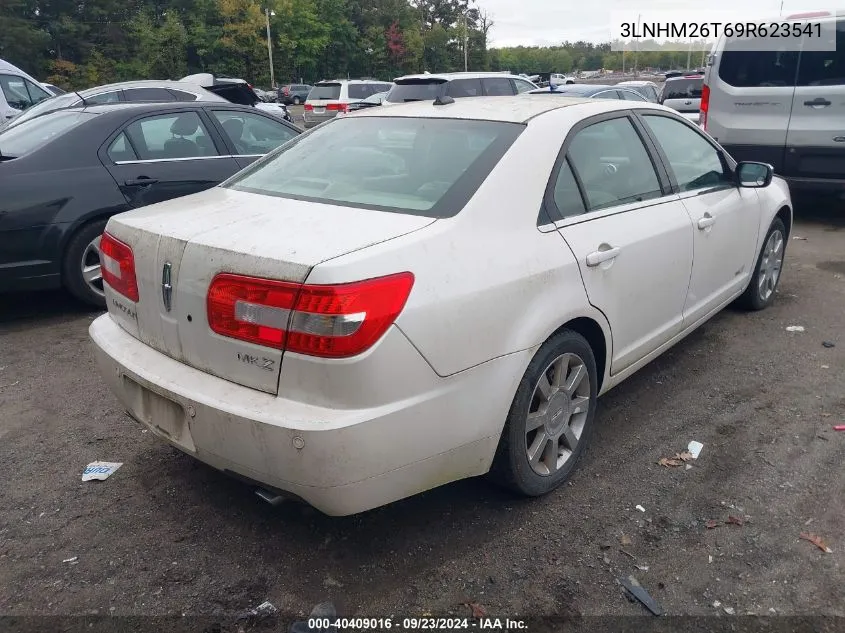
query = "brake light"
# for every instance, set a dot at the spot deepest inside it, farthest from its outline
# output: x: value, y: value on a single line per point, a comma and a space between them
x: 308, y: 106
x: 705, y: 104
x: 118, y: 266
x: 330, y: 321
x: 337, y: 107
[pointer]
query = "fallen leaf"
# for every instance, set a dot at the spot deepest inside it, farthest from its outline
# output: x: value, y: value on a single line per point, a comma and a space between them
x: 816, y: 540
x: 684, y: 456
x: 665, y: 461
x: 712, y: 523
x: 477, y: 610
x: 625, y: 540
x: 734, y: 520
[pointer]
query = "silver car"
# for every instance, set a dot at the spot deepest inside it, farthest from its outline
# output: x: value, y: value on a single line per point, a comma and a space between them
x: 683, y: 94
x: 329, y: 98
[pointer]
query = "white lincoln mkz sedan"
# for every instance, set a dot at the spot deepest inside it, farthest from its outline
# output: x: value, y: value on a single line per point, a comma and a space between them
x: 418, y: 294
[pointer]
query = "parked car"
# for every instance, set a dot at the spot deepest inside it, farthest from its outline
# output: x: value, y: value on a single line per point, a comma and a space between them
x: 53, y: 89
x: 592, y: 91
x: 237, y: 91
x: 427, y: 87
x: 648, y: 89
x: 781, y: 107
x: 327, y: 98
x: 18, y: 91
x: 294, y: 94
x: 132, y: 91
x: 64, y: 174
x: 375, y: 309
x: 684, y: 95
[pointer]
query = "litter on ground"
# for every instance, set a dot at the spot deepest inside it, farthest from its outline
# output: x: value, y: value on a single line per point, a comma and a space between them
x: 816, y: 540
x: 100, y: 470
x: 635, y: 589
x: 795, y: 328
x: 694, y: 449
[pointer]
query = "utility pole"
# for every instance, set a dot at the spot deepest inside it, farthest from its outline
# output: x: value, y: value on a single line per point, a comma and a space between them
x: 689, y: 54
x: 637, y: 52
x: 270, y: 49
x: 466, y: 41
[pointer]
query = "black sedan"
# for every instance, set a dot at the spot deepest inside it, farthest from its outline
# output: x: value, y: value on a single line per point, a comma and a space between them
x: 592, y: 91
x: 64, y: 174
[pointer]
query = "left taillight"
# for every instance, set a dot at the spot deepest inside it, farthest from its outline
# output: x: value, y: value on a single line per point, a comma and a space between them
x: 337, y: 107
x: 330, y: 321
x: 704, y: 109
x: 118, y: 266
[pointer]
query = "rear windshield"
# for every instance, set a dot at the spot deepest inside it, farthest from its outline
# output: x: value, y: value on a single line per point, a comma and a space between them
x: 415, y: 90
x: 683, y: 88
x: 418, y: 166
x: 324, y: 91
x: 32, y: 134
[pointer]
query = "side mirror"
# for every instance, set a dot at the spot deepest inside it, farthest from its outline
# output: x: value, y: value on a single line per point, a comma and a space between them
x: 754, y: 175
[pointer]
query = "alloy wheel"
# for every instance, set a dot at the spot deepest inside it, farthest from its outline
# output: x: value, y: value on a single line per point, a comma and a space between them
x: 770, y: 265
x: 90, y: 267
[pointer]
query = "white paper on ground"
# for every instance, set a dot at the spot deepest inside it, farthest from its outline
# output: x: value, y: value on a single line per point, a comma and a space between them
x: 100, y: 470
x: 695, y: 449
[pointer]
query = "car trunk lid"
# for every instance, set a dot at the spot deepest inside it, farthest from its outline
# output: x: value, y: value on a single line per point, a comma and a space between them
x: 179, y: 247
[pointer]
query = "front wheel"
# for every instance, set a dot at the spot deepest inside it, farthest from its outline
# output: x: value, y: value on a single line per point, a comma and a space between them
x: 81, y: 271
x: 764, y: 282
x: 551, y: 417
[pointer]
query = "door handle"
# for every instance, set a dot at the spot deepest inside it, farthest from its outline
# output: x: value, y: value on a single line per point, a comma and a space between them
x: 706, y: 222
x: 818, y: 101
x: 597, y: 257
x: 141, y: 181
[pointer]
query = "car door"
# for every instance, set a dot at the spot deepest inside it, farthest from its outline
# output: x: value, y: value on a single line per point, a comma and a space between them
x: 815, y: 141
x: 166, y: 155
x: 251, y: 135
x: 726, y: 217
x: 633, y: 240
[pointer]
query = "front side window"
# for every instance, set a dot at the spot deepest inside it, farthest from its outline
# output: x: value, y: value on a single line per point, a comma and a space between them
x: 607, y: 94
x: 428, y: 167
x: 171, y: 136
x: 465, y: 88
x: 522, y: 86
x: 253, y: 134
x: 631, y: 95
x: 14, y: 89
x: 613, y: 164
x: 695, y: 163
x: 497, y: 86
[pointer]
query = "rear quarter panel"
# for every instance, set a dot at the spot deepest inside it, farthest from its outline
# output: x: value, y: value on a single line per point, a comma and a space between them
x: 488, y: 282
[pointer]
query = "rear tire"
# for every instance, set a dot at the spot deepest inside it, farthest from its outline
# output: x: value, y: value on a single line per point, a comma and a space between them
x: 550, y: 419
x: 767, y: 271
x: 81, y: 265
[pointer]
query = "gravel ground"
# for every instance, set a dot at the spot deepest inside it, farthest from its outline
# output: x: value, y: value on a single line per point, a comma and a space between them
x: 167, y: 535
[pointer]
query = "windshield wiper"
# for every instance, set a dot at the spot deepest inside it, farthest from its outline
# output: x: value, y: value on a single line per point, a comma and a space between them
x: 2, y: 158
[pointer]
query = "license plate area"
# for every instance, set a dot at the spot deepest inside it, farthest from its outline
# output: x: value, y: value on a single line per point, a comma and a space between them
x: 319, y: 110
x: 163, y: 416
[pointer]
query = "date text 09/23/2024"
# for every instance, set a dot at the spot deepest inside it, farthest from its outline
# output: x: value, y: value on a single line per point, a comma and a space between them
x: 416, y: 624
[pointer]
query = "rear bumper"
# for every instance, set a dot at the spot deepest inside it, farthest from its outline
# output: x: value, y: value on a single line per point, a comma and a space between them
x: 312, y: 119
x: 341, y: 461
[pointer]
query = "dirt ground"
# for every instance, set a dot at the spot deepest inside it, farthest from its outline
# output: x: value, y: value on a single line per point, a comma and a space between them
x: 167, y: 535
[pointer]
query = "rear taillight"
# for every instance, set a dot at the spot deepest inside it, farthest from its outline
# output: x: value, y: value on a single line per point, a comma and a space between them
x: 285, y: 90
x: 331, y: 321
x: 705, y: 104
x: 308, y: 107
x: 118, y: 266
x: 338, y: 107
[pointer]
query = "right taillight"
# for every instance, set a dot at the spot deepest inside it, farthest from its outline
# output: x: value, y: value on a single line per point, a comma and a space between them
x: 705, y: 104
x: 117, y: 264
x: 308, y: 107
x: 330, y: 321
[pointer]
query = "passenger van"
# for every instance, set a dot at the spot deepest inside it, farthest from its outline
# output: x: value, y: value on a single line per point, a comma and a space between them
x: 782, y: 107
x: 18, y: 91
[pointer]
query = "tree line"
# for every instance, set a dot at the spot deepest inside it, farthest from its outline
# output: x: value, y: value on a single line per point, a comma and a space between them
x: 82, y: 43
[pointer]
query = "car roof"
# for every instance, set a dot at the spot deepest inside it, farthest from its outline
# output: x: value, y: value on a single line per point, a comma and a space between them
x: 576, y: 89
x: 457, y: 75
x: 689, y: 76
x: 636, y: 83
x: 141, y: 83
x: 350, y: 81
x: 123, y: 106
x: 516, y: 109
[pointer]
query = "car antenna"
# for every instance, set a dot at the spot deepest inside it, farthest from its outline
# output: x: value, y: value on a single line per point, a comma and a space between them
x: 84, y: 102
x: 444, y: 100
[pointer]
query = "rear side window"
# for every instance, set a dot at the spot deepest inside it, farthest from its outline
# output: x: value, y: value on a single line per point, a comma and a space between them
x: 148, y: 94
x: 613, y: 164
x: 824, y: 68
x: 522, y: 86
x: 324, y: 92
x: 415, y: 90
x: 607, y: 94
x: 419, y: 166
x: 567, y: 197
x: 105, y: 97
x: 758, y: 69
x: 169, y: 136
x: 465, y: 88
x: 359, y: 91
x: 683, y: 89
x: 121, y: 150
x: 497, y: 86
x: 632, y: 95
x: 182, y: 96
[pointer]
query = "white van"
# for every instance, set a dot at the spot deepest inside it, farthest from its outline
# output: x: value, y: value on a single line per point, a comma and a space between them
x: 18, y: 91
x: 782, y: 107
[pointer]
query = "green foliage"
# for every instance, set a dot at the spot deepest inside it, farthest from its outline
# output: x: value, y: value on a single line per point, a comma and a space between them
x: 80, y: 43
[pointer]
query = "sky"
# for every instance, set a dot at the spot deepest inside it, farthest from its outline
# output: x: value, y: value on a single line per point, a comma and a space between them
x: 550, y: 22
